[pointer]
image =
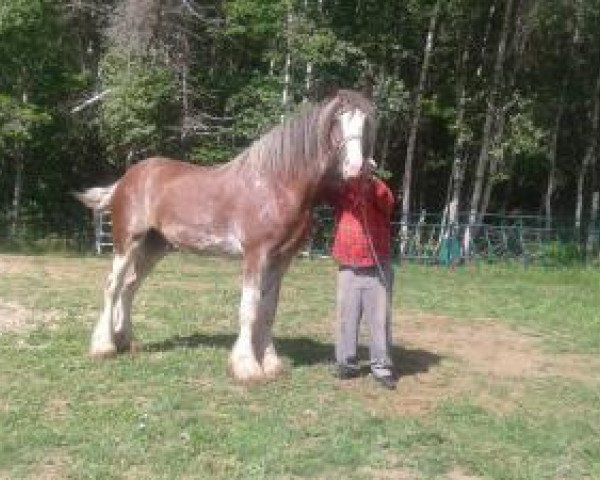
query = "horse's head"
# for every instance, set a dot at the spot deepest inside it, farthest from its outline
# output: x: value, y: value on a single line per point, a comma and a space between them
x: 352, y: 123
x: 350, y: 131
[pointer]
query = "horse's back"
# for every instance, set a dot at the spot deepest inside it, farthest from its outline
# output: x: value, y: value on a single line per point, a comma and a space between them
x: 164, y: 164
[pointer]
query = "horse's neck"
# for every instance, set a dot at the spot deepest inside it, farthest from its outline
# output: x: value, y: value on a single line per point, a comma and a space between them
x: 318, y: 188
x: 326, y: 189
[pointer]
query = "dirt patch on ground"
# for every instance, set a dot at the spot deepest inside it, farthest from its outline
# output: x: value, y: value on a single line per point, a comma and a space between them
x: 12, y: 264
x: 441, y: 358
x: 405, y: 474
x: 485, y: 347
x: 460, y: 475
x: 15, y: 318
x: 489, y: 347
x: 385, y: 474
x: 61, y: 269
x: 53, y: 467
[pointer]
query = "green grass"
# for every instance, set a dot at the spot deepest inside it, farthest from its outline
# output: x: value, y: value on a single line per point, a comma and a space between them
x: 563, y: 304
x: 172, y: 411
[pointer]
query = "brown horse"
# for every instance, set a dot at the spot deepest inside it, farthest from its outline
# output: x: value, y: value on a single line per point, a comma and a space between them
x: 258, y: 205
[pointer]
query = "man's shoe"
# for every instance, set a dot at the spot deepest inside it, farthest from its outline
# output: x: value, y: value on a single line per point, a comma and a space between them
x: 386, y: 381
x: 345, y: 371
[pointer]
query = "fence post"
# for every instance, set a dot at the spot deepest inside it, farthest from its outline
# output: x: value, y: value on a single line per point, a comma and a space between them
x: 102, y: 233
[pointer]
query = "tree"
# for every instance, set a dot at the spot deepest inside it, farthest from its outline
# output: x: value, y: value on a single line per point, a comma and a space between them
x: 491, y: 113
x: 414, y: 127
x: 33, y: 79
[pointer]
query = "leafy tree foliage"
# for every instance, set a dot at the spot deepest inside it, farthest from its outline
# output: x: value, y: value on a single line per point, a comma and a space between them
x: 89, y: 86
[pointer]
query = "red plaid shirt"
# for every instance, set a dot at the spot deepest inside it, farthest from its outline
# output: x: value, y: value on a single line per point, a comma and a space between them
x: 360, y: 207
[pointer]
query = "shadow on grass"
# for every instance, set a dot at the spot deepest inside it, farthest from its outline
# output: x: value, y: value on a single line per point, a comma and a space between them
x: 304, y: 351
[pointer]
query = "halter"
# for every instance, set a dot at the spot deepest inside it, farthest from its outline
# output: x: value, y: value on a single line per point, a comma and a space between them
x: 344, y: 141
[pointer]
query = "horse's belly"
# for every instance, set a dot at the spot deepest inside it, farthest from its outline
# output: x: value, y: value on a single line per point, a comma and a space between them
x: 199, y: 240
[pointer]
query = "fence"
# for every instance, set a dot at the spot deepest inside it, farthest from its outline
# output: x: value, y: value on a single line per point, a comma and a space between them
x: 102, y: 232
x: 499, y: 238
x: 36, y: 233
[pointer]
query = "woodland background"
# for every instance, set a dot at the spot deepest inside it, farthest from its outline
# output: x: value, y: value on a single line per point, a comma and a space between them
x: 485, y: 106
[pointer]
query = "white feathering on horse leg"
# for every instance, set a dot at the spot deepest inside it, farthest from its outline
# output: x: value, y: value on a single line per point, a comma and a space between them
x: 271, y: 364
x: 243, y: 363
x: 103, y: 344
x: 122, y: 320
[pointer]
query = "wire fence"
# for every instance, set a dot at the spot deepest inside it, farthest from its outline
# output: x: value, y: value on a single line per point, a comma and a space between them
x: 425, y: 239
x: 428, y: 239
x: 38, y: 234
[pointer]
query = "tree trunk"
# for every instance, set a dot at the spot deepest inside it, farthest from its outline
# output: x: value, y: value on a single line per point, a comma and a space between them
x: 309, y: 66
x: 385, y: 145
x: 487, y: 128
x: 522, y: 30
x: 592, y: 236
x: 579, y: 194
x: 414, y: 127
x: 129, y: 157
x: 18, y: 186
x: 185, y: 90
x: 589, y: 157
x: 486, y: 36
x: 285, y: 96
x: 551, y: 186
x: 552, y: 158
x: 592, y: 233
x: 455, y: 182
x: 496, y: 160
x: 17, y: 193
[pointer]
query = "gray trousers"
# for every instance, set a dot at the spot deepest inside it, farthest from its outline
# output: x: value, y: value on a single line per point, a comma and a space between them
x: 363, y: 293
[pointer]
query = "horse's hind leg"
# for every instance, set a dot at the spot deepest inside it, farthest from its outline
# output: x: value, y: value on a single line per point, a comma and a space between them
x: 102, y: 343
x: 149, y: 253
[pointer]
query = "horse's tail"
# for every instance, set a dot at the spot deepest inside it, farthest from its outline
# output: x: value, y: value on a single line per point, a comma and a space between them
x: 97, y: 198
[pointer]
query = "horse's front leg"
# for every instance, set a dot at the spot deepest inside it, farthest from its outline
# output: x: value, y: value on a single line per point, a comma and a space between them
x: 243, y: 362
x: 271, y: 363
x: 254, y: 356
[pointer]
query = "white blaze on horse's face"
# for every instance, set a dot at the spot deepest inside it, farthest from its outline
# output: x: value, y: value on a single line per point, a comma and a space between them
x: 352, y: 124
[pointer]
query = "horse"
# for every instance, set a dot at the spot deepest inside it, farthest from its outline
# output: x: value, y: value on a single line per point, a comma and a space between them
x: 257, y: 206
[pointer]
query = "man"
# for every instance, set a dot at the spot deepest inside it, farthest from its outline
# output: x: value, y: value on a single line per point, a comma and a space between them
x: 361, y: 246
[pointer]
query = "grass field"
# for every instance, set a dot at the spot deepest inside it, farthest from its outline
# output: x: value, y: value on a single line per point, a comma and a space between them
x: 500, y: 378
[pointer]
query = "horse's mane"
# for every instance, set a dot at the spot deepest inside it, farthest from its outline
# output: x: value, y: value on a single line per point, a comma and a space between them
x: 300, y: 143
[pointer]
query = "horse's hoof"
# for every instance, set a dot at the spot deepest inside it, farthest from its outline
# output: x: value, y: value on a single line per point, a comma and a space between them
x: 131, y: 346
x: 102, y: 352
x: 246, y: 372
x: 272, y: 367
x: 135, y: 347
